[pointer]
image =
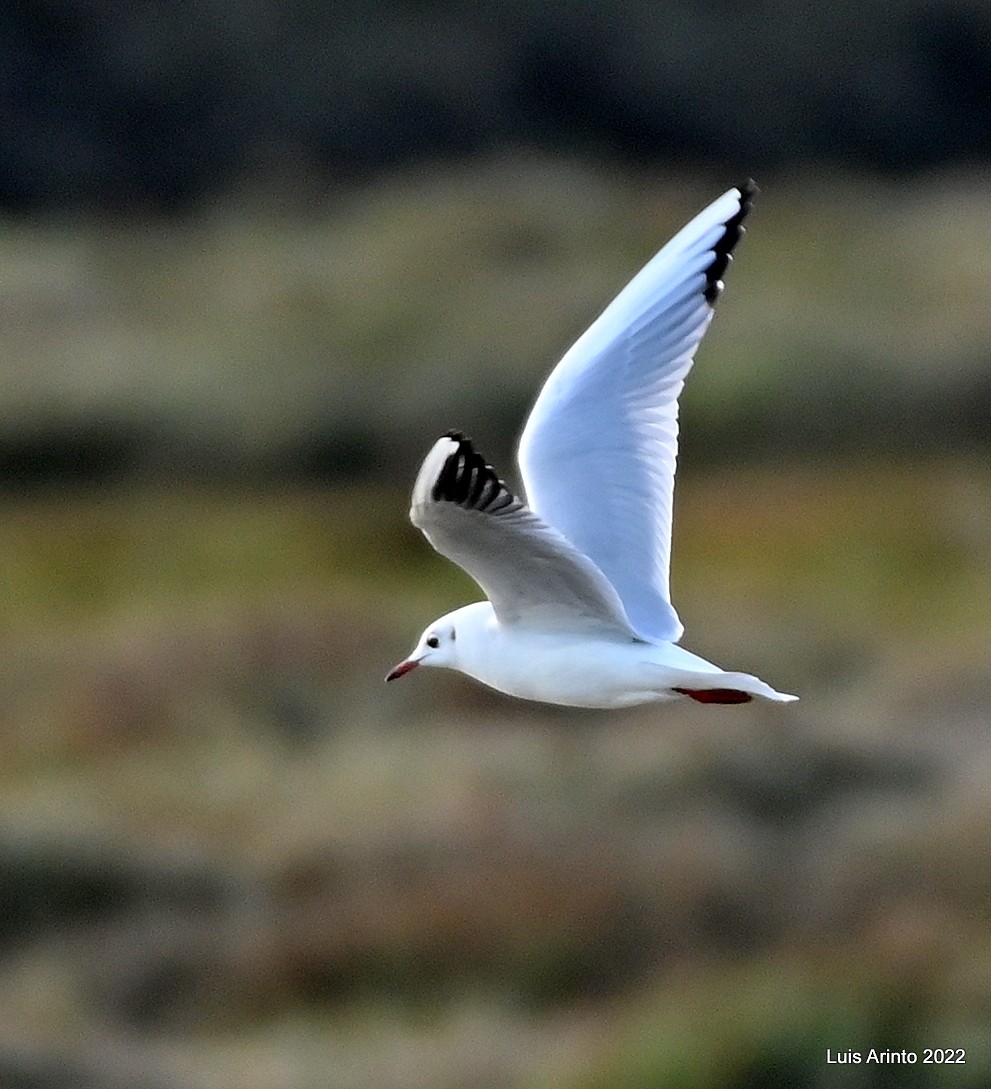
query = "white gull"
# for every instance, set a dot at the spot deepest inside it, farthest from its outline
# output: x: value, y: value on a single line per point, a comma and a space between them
x: 579, y: 610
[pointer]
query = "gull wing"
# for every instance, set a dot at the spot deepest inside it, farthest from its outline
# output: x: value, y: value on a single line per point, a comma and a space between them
x: 532, y: 576
x: 598, y: 452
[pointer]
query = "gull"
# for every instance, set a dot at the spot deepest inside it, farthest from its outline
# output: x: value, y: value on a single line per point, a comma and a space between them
x: 578, y: 608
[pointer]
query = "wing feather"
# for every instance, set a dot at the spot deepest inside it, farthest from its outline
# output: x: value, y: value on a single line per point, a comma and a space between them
x: 598, y: 452
x: 532, y: 576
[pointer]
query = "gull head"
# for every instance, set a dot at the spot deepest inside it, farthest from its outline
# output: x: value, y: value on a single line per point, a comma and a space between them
x: 438, y: 646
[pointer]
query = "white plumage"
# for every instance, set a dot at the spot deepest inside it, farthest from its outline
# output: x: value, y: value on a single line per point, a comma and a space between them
x: 579, y: 610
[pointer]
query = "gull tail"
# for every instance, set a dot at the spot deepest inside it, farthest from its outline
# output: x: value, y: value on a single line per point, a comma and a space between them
x: 726, y: 688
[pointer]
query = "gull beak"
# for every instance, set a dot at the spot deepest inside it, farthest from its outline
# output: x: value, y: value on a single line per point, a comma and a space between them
x: 402, y: 669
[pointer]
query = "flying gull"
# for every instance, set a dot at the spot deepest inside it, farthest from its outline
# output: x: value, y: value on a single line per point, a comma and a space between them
x: 579, y: 611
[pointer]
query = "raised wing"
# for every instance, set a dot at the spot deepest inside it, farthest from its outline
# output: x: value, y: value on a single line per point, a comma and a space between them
x: 532, y: 576
x: 598, y: 452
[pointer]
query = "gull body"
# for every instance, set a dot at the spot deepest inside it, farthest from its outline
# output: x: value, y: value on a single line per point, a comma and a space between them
x: 578, y: 609
x: 572, y: 671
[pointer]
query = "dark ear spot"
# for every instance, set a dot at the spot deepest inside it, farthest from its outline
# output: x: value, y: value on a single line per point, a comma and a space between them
x: 454, y: 634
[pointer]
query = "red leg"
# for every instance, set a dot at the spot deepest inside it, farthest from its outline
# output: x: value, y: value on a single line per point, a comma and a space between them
x: 716, y: 695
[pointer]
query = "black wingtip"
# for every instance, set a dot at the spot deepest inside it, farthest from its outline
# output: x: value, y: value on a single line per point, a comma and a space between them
x: 733, y: 231
x: 467, y: 479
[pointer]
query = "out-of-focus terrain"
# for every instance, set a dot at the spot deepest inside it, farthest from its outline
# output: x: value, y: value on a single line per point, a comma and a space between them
x: 231, y: 857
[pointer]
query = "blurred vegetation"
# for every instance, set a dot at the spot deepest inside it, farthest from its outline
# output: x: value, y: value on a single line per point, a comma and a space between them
x: 247, y: 341
x: 230, y: 857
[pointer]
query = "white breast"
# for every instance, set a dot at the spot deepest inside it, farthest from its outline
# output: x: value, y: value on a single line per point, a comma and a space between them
x: 576, y: 671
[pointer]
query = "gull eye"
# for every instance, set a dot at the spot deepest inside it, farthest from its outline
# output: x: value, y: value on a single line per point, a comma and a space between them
x: 433, y: 642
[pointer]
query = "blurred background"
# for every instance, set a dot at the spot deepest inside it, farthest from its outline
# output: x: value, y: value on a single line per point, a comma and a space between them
x: 254, y: 258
